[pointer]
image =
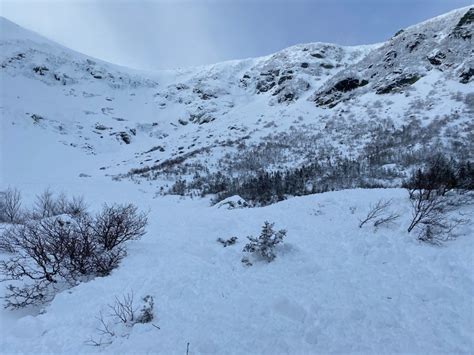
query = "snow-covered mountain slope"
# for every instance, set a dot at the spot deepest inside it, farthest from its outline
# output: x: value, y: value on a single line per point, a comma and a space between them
x: 82, y: 126
x: 310, y: 97
x: 442, y: 45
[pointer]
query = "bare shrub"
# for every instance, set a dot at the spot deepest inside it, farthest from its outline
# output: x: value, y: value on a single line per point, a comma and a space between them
x: 387, y: 219
x: 77, y: 206
x: 27, y: 295
x: 5, y: 244
x: 431, y: 215
x: 104, y: 331
x: 107, y: 260
x: 123, y: 309
x: 440, y: 231
x: 45, y: 205
x: 49, y: 205
x: 117, y: 224
x: 125, y: 314
x: 379, y: 214
x: 10, y: 206
x: 46, y: 253
x: 54, y: 252
x: 427, y: 206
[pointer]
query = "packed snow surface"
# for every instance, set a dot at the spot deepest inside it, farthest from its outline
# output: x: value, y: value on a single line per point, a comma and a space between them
x: 332, y: 288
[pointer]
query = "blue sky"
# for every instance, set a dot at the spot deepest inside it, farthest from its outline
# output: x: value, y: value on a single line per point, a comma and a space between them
x: 180, y: 33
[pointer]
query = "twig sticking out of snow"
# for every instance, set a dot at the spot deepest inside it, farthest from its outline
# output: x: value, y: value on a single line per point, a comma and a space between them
x: 379, y: 214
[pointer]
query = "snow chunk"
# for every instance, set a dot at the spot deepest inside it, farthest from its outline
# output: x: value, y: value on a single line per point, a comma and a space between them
x: 233, y: 202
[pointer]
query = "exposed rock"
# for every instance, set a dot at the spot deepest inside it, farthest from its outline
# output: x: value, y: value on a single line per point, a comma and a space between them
x: 398, y: 33
x: 159, y: 148
x: 124, y: 136
x: 101, y: 127
x: 36, y: 118
x: 204, y: 95
x: 201, y: 117
x: 466, y: 76
x: 398, y: 84
x: 412, y: 45
x: 333, y: 96
x: 284, y: 78
x: 390, y: 58
x: 181, y: 86
x: 464, y: 27
x: 327, y: 65
x: 40, y: 69
x: 437, y: 59
x: 265, y: 85
x: 349, y: 84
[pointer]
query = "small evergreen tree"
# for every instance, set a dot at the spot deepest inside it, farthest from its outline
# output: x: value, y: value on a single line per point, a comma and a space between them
x: 265, y: 244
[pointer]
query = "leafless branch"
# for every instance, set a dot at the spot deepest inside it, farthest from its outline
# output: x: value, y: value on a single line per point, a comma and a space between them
x: 379, y: 214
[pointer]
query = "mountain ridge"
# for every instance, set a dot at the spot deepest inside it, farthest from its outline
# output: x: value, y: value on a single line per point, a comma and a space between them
x: 7, y: 22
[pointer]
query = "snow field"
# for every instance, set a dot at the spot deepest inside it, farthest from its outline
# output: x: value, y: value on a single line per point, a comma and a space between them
x: 332, y: 288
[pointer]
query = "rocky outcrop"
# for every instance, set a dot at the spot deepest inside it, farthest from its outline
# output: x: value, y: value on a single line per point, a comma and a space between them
x: 442, y: 44
x: 398, y: 84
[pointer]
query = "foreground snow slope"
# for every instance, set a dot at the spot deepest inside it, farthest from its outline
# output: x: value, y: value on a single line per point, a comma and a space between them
x: 333, y: 287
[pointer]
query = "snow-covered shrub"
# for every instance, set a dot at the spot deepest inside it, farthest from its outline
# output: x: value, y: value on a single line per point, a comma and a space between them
x: 264, y: 245
x: 227, y: 242
x: 145, y: 315
x: 52, y: 253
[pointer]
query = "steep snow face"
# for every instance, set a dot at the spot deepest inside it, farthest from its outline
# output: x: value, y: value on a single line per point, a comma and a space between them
x: 123, y: 116
x: 12, y: 32
x: 30, y: 55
